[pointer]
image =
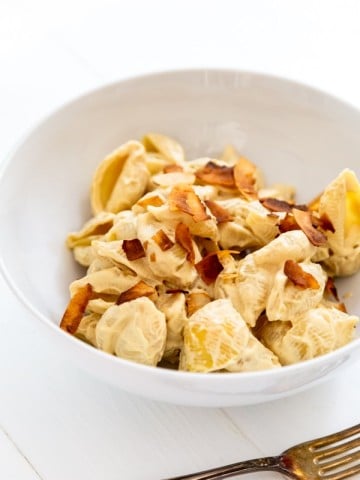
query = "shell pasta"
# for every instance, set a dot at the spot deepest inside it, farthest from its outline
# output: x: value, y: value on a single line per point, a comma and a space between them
x: 197, y: 264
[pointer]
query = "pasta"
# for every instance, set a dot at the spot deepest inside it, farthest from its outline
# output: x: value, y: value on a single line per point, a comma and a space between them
x: 199, y: 265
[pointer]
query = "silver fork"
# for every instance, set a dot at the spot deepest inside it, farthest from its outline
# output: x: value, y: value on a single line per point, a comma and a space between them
x: 333, y: 457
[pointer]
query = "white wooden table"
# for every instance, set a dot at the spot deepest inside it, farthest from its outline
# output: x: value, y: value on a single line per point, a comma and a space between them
x: 61, y: 424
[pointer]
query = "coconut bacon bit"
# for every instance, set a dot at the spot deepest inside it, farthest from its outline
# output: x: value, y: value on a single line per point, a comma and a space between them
x: 219, y: 212
x: 141, y: 289
x: 304, y: 220
x: 153, y: 201
x: 195, y: 301
x: 163, y: 240
x: 298, y: 276
x: 209, y: 268
x: 245, y: 177
x: 275, y: 205
x: 183, y: 198
x: 133, y: 249
x: 76, y: 309
x: 219, y: 175
x: 184, y: 239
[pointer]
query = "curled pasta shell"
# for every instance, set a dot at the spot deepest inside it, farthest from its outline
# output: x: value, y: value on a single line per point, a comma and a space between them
x: 111, y: 281
x: 252, y: 226
x: 169, y: 148
x: 249, y: 285
x: 316, y: 332
x: 86, y: 329
x: 134, y: 330
x: 95, y: 228
x: 214, y: 337
x: 120, y: 179
x: 341, y: 203
x: 287, y: 301
x: 170, y: 264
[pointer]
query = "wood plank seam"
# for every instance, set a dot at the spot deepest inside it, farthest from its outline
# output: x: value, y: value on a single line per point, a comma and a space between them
x: 20, y: 452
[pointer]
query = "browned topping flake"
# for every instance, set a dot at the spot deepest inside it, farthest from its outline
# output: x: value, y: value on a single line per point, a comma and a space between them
x: 341, y: 306
x: 219, y: 212
x: 330, y: 289
x: 153, y: 201
x: 214, y: 174
x: 304, y: 220
x: 133, y: 249
x: 184, y: 239
x: 288, y: 223
x: 323, y: 222
x: 141, y: 289
x: 173, y: 168
x: 161, y: 239
x: 183, y: 198
x: 210, y: 266
x: 245, y: 177
x: 76, y: 309
x: 298, y: 276
x: 195, y: 301
x: 275, y: 205
x: 145, y: 244
x: 152, y: 257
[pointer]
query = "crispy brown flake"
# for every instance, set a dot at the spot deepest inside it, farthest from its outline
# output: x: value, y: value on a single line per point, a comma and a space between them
x: 219, y: 212
x: 183, y: 198
x: 173, y: 168
x: 304, y: 220
x: 210, y: 266
x: 161, y: 239
x: 245, y: 177
x: 195, y: 301
x: 133, y: 249
x: 184, y: 239
x: 76, y: 309
x: 152, y: 257
x: 275, y: 205
x: 141, y: 289
x: 288, y: 223
x: 341, y: 306
x: 219, y: 175
x: 298, y: 276
x: 330, y: 289
x: 323, y: 222
x: 153, y: 201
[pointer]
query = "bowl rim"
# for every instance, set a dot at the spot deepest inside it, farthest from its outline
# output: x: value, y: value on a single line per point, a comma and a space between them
x: 91, y: 351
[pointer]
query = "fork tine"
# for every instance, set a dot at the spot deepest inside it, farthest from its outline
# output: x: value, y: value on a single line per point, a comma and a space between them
x: 344, y: 474
x: 335, y: 437
x: 337, y: 449
x: 340, y: 461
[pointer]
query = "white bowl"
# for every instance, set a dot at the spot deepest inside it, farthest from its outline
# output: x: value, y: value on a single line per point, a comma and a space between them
x: 294, y: 133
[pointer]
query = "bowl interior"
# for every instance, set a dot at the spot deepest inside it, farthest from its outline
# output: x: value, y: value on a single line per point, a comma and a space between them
x: 295, y: 134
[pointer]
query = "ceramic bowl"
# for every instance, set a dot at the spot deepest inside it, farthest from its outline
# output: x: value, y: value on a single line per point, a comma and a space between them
x: 296, y: 134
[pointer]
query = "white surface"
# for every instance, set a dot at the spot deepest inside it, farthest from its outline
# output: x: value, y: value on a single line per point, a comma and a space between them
x: 271, y: 121
x: 60, y: 423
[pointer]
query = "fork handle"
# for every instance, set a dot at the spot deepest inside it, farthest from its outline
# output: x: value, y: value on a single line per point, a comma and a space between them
x: 248, y: 466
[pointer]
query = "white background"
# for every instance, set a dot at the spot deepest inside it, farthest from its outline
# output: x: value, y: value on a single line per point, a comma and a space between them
x: 58, y: 424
